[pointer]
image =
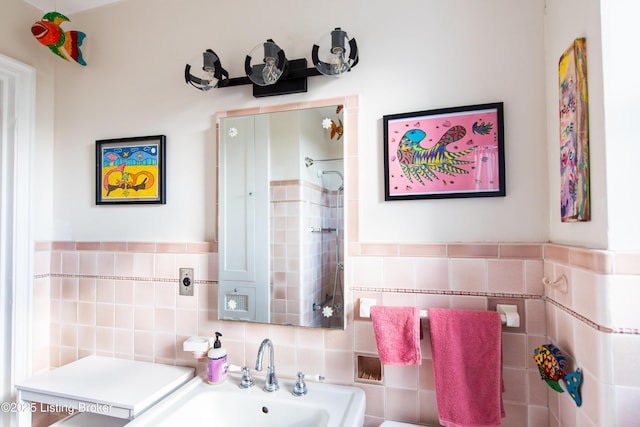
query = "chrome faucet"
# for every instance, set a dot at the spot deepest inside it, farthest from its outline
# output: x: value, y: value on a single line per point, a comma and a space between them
x: 271, y: 382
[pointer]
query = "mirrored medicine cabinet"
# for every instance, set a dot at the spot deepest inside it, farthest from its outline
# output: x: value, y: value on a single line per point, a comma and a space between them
x: 281, y: 215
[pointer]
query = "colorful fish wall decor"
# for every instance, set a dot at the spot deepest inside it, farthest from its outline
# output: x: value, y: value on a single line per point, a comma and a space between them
x: 551, y: 363
x: 64, y: 44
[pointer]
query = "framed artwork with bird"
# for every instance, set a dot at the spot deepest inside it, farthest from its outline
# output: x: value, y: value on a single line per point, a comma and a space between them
x: 445, y: 153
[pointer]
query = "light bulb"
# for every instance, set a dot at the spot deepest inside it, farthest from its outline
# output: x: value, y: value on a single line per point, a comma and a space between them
x: 270, y: 71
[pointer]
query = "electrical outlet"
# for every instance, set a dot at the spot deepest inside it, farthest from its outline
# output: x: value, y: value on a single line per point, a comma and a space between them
x: 186, y: 281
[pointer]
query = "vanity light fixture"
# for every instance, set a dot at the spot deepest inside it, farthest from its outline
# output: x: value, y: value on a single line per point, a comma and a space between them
x: 272, y: 73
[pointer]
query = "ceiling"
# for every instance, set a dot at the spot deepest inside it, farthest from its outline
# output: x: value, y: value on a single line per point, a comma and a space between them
x: 69, y: 7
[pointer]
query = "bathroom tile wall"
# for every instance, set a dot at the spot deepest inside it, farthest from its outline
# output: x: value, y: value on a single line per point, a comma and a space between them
x: 597, y: 325
x: 120, y: 299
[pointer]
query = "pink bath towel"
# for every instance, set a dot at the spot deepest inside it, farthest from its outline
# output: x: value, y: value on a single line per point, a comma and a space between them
x: 397, y: 332
x: 466, y: 349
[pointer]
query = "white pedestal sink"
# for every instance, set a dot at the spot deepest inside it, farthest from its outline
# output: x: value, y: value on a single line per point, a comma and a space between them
x: 226, y: 404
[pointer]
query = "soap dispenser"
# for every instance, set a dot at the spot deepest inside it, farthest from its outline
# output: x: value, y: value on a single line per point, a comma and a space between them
x: 217, y: 362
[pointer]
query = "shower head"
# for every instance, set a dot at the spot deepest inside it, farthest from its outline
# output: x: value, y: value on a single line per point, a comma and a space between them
x: 308, y: 161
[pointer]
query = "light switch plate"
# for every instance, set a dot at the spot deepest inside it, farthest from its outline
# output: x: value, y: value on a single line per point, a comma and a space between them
x: 186, y: 282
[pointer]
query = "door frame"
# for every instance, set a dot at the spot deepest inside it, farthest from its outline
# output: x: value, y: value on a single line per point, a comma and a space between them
x: 17, y: 134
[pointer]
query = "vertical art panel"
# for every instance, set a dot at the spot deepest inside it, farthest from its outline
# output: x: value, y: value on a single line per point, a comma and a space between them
x: 574, y: 134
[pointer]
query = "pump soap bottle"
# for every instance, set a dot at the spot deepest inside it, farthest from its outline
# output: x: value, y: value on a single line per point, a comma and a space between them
x: 217, y: 362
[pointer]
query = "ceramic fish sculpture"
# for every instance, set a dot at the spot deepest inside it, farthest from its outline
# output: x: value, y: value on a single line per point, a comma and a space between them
x: 551, y: 363
x: 64, y: 44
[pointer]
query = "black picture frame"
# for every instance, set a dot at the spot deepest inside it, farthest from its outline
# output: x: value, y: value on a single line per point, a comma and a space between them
x: 131, y: 170
x: 444, y: 153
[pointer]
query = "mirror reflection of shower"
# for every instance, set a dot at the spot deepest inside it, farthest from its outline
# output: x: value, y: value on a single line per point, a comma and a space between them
x: 333, y: 183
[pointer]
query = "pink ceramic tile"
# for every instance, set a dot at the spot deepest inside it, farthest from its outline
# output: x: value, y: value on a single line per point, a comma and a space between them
x: 143, y: 265
x: 124, y: 264
x: 165, y: 320
x: 425, y: 375
x: 69, y: 335
x: 556, y: 253
x: 123, y: 342
x: 105, y: 263
x: 401, y: 376
x: 144, y: 293
x: 398, y: 273
x: 402, y: 405
x: 514, y: 381
x: 86, y: 313
x: 514, y: 350
x: 367, y: 271
x: 87, y: 337
x: 70, y: 263
x: 87, y: 290
x: 165, y: 266
x: 626, y: 349
x: 87, y: 246
x: 166, y: 294
x: 165, y: 346
x: 374, y: 399
x: 113, y: 246
x: 379, y: 249
x: 533, y: 274
x: 186, y: 322
x: 105, y: 314
x: 627, y: 409
x: 339, y: 339
x: 69, y: 289
x: 88, y: 263
x: 432, y: 273
x: 124, y: 291
x: 104, y: 340
x: 365, y: 341
x: 428, y: 407
x: 68, y: 312
x: 423, y: 250
x: 506, y: 276
x: 472, y: 250
x: 595, y: 260
x: 105, y: 291
x: 124, y: 316
x: 468, y: 274
x: 143, y: 346
x: 171, y: 247
x: 143, y: 318
x: 141, y: 247
x: 521, y: 250
x: 536, y: 321
x: 339, y: 366
x: 208, y: 322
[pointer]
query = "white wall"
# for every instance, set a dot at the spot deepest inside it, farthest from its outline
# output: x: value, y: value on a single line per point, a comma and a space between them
x: 620, y: 35
x: 415, y: 55
x: 17, y: 42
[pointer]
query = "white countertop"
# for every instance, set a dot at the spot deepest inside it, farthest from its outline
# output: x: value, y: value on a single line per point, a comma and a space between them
x: 117, y: 387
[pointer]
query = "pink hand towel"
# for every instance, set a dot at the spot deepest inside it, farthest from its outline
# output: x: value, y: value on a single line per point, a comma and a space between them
x: 397, y: 332
x: 466, y: 350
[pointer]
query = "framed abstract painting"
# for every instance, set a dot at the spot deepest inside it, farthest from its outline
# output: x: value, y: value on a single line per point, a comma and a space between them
x: 445, y: 153
x: 574, y: 134
x: 130, y: 170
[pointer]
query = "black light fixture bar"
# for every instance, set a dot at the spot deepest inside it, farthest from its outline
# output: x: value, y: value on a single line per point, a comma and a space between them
x: 291, y: 75
x: 295, y: 81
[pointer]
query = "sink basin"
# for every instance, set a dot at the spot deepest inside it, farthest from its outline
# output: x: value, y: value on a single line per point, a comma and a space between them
x: 226, y: 404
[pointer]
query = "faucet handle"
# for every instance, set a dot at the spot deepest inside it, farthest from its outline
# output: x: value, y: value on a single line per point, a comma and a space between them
x: 300, y: 388
x: 246, y: 381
